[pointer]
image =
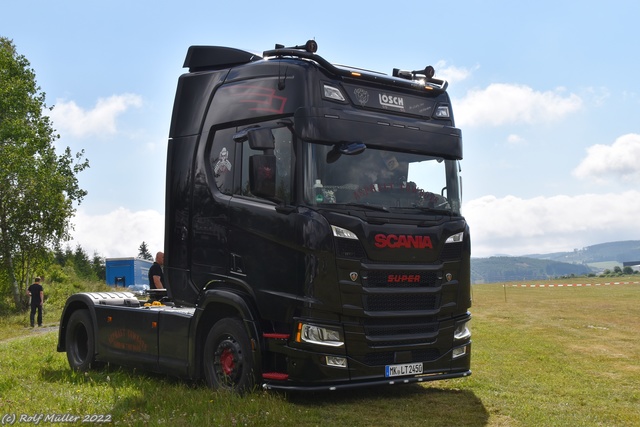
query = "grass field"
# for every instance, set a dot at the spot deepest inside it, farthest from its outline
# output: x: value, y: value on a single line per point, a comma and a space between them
x: 542, y: 356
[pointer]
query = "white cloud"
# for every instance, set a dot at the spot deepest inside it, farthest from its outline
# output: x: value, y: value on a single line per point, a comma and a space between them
x: 516, y: 226
x: 67, y: 116
x: 450, y: 73
x: 621, y: 160
x: 502, y: 103
x: 118, y: 233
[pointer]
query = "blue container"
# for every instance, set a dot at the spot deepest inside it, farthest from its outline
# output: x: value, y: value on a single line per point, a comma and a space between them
x: 128, y: 272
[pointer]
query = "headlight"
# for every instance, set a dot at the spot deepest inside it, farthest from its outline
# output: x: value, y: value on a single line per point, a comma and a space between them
x: 336, y: 361
x: 455, y: 238
x: 343, y: 232
x: 459, y: 352
x: 321, y: 335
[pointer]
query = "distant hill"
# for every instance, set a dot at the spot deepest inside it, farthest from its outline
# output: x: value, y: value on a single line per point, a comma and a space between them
x: 505, y: 269
x: 544, y: 266
x: 625, y: 251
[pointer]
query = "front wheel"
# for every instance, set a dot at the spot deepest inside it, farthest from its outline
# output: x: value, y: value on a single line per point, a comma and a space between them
x: 228, y: 360
x: 80, y: 341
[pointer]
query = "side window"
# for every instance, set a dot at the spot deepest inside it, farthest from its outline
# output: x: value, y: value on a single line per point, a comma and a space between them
x: 283, y: 152
x: 221, y: 160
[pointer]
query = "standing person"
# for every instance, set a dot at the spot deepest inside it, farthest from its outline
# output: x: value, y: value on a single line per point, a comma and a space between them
x: 36, y: 292
x: 156, y: 277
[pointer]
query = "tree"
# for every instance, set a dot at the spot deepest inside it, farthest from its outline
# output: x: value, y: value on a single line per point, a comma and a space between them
x: 82, y: 264
x: 38, y: 187
x: 143, y: 252
x: 99, y: 266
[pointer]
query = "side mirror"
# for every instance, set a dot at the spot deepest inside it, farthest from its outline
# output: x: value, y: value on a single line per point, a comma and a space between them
x: 262, y: 175
x: 259, y: 138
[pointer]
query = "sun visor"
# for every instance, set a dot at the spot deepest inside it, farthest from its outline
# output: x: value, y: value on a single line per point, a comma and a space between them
x: 330, y: 126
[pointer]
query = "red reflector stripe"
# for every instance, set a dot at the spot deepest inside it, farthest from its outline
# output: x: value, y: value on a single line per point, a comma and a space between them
x: 275, y: 376
x: 275, y: 336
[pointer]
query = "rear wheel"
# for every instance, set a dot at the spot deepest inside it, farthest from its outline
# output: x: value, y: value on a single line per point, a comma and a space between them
x: 228, y: 360
x: 80, y: 341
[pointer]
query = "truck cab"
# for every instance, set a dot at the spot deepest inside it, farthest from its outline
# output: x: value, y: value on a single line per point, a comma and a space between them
x: 313, y: 233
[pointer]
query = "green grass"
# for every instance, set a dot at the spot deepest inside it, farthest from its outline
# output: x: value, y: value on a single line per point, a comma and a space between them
x: 541, y: 357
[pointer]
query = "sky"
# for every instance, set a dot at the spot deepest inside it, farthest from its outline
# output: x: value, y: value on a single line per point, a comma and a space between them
x: 546, y: 93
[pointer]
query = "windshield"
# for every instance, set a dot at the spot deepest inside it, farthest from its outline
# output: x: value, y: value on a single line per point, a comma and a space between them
x: 381, y: 179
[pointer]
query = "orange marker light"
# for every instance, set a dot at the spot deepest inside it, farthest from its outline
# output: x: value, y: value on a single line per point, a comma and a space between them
x: 299, y: 333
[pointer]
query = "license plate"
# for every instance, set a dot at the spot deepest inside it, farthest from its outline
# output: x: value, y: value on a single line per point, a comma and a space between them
x: 405, y: 369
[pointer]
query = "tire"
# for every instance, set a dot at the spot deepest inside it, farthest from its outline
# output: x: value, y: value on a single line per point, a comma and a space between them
x: 228, y: 360
x: 80, y: 341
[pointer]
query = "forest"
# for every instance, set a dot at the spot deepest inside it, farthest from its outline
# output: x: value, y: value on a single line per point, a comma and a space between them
x: 586, y: 261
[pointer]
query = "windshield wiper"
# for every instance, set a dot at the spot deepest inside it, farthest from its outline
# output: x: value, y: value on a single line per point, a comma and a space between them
x: 362, y: 205
x: 432, y: 210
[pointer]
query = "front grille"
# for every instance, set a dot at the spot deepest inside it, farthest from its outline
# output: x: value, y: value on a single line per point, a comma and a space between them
x: 401, y: 278
x: 451, y: 251
x: 401, y: 302
x: 390, y: 327
x: 388, y: 357
x: 347, y: 248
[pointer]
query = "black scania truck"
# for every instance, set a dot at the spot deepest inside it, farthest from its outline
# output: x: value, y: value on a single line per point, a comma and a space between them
x: 313, y: 235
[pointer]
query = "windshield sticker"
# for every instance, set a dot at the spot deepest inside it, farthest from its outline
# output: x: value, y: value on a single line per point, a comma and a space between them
x: 223, y: 165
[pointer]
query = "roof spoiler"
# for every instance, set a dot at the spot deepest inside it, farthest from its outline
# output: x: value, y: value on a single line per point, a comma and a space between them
x: 202, y: 58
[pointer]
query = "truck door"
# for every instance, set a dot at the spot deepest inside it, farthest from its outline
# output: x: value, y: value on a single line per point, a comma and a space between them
x: 213, y: 186
x: 262, y: 240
